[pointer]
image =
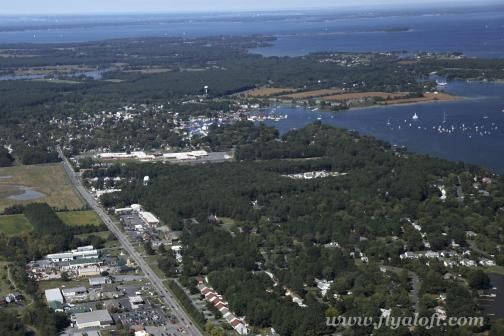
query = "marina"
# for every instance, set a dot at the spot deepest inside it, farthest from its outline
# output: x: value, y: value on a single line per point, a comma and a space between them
x: 469, y: 130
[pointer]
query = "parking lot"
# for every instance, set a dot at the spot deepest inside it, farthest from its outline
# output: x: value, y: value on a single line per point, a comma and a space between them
x: 142, y: 316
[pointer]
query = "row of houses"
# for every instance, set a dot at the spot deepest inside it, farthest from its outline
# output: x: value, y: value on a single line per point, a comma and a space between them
x: 218, y: 302
x: 456, y: 258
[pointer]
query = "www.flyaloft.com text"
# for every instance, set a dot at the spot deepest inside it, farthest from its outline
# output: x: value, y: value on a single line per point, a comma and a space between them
x: 395, y: 322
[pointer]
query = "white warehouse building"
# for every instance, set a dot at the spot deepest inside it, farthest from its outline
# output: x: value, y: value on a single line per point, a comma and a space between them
x: 84, y: 252
x: 53, y: 295
x: 148, y: 218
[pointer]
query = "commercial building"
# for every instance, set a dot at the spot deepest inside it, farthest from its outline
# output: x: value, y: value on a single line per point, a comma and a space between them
x: 185, y: 156
x: 88, y: 271
x: 84, y: 252
x: 53, y: 295
x: 98, y: 281
x: 97, y: 318
x: 148, y: 218
x: 123, y: 155
x: 123, y: 211
x: 75, y: 294
x: 136, y: 301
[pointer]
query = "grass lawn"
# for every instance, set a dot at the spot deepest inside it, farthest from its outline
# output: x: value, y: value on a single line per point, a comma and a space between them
x: 227, y: 223
x: 102, y: 234
x: 494, y: 269
x: 14, y: 224
x: 113, y: 245
x: 153, y: 263
x: 79, y: 218
x: 55, y: 81
x: 43, y: 285
x: 48, y: 179
x: 5, y: 285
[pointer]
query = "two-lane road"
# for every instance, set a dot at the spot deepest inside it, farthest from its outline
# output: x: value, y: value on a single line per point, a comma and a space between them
x: 166, y: 296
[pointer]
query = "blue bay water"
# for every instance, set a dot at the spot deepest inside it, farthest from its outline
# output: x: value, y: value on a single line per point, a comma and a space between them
x: 474, y: 127
x: 476, y: 34
x: 470, y: 129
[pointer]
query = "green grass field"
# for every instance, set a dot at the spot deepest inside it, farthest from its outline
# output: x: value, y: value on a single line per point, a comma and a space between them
x: 49, y: 179
x: 5, y: 285
x: 79, y: 218
x: 47, y: 284
x: 14, y: 224
x: 17, y: 224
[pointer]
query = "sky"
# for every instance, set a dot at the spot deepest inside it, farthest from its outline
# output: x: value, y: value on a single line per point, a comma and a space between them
x: 43, y: 7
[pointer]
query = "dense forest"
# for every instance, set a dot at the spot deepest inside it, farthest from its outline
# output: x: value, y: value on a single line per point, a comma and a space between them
x: 256, y: 233
x: 283, y: 225
x: 5, y: 158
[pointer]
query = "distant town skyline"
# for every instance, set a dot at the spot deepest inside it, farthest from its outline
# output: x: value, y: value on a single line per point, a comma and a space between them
x: 37, y: 7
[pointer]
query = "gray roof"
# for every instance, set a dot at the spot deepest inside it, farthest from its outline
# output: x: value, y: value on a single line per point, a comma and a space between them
x: 98, y: 280
x: 97, y: 315
x: 88, y: 333
x: 74, y: 290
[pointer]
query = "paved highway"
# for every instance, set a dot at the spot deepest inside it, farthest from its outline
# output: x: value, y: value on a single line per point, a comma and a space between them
x: 166, y: 296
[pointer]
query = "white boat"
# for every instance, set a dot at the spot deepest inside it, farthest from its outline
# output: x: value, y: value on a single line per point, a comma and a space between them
x: 441, y: 83
x: 415, y: 117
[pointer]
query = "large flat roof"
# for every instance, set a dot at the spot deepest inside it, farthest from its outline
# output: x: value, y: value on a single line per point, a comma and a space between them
x: 53, y: 294
x: 94, y: 316
x: 73, y: 290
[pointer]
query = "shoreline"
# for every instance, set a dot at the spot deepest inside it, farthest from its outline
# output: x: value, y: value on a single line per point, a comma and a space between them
x: 425, y: 102
x: 326, y: 110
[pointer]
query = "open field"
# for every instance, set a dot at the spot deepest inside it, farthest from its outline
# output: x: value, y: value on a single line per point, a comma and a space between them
x: 17, y: 224
x: 47, y: 284
x: 495, y: 269
x: 14, y: 224
x: 266, y: 92
x: 7, y: 54
x: 23, y: 185
x: 148, y: 70
x: 102, y: 234
x: 79, y: 218
x: 313, y: 94
x: 336, y: 94
x: 46, y: 70
x: 428, y: 97
x: 359, y: 95
x: 55, y: 81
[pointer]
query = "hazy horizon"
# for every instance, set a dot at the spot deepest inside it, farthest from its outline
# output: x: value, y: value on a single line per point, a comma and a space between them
x: 90, y: 7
